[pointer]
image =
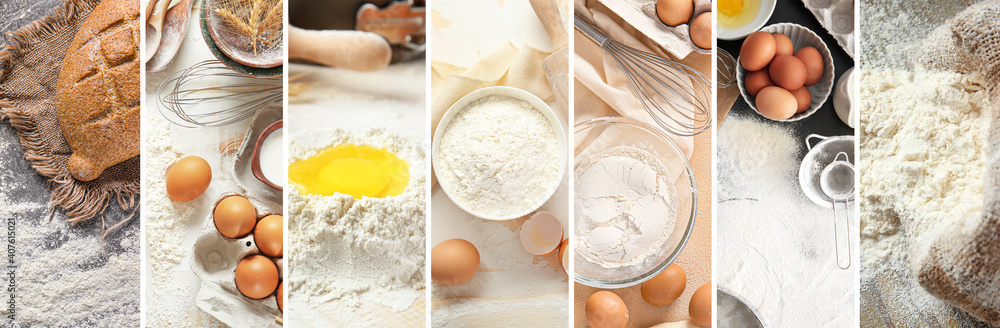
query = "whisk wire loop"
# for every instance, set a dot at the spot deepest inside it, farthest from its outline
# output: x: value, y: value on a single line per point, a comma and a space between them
x: 210, y: 94
x: 676, y: 96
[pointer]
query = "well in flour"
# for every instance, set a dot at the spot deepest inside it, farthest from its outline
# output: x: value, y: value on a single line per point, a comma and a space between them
x: 349, y: 255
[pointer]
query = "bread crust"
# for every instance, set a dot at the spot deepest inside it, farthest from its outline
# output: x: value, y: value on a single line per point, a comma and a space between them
x: 98, y: 90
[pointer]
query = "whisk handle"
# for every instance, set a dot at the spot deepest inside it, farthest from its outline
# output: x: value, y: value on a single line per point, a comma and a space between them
x: 589, y: 29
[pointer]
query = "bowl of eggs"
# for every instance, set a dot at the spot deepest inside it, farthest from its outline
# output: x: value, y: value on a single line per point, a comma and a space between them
x: 785, y: 72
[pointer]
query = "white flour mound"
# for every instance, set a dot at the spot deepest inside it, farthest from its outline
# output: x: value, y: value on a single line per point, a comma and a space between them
x: 499, y: 156
x: 347, y: 254
x: 626, y: 204
x: 924, y: 141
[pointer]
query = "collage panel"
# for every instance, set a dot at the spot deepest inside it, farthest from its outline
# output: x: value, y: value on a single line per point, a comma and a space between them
x: 787, y: 229
x: 213, y: 170
x: 643, y: 164
x: 500, y: 201
x: 928, y: 184
x: 69, y: 157
x: 358, y: 152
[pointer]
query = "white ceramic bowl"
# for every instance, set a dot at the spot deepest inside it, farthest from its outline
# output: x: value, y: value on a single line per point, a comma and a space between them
x: 766, y: 9
x: 515, y: 93
x: 801, y: 37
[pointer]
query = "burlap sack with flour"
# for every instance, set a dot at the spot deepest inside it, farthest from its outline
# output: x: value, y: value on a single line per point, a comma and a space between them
x: 963, y: 265
x: 30, y: 63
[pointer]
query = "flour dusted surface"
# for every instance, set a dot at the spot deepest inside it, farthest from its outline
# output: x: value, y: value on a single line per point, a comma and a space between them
x: 348, y: 256
x: 499, y: 156
x: 776, y: 248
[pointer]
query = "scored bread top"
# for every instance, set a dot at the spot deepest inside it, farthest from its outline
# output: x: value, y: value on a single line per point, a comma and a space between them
x: 98, y: 90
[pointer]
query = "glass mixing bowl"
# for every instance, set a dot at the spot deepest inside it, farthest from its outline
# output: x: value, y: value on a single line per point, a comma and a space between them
x: 598, y: 134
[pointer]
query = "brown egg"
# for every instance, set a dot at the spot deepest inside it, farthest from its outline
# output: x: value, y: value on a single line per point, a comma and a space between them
x: 256, y: 276
x: 700, y: 307
x: 757, y: 50
x: 756, y: 81
x: 235, y: 216
x: 605, y: 309
x: 813, y: 63
x: 787, y: 72
x: 803, y: 98
x: 454, y: 261
x: 665, y: 287
x: 268, y: 235
x: 280, y: 295
x: 783, y: 45
x: 701, y: 30
x: 674, y: 12
x: 188, y: 178
x: 563, y: 259
x: 776, y: 103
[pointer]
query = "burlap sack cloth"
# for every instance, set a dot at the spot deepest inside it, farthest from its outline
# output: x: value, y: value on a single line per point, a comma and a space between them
x: 963, y: 265
x: 29, y: 71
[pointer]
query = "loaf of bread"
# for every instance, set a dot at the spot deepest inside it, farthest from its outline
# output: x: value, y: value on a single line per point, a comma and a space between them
x: 98, y: 90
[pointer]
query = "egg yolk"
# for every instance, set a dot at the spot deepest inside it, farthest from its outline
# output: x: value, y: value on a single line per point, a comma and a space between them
x: 730, y: 7
x: 356, y: 170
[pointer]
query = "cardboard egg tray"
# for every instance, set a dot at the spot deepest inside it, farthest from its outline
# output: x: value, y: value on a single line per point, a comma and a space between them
x: 641, y: 14
x: 837, y: 17
x: 214, y: 261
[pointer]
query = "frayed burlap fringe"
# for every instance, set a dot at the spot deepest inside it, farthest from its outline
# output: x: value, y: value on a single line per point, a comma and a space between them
x: 78, y: 199
x: 19, y: 41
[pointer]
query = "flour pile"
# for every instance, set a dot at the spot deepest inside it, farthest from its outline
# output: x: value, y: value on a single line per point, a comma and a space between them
x: 352, y: 259
x: 499, y: 157
x: 924, y: 153
x: 626, y: 204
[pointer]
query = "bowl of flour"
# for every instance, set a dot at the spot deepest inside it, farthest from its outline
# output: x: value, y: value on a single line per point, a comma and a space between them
x: 499, y: 153
x: 635, y: 202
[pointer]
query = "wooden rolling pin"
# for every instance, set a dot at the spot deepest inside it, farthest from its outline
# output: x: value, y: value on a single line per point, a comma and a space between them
x: 354, y: 50
x: 557, y: 64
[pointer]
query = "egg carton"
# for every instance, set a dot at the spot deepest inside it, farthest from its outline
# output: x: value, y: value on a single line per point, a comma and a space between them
x: 641, y: 14
x: 837, y: 17
x: 214, y: 261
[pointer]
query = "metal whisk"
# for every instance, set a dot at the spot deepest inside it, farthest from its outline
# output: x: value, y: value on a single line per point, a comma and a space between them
x: 210, y: 94
x: 659, y: 83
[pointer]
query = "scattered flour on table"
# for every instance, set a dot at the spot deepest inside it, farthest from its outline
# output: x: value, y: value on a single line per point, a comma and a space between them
x: 499, y: 156
x: 776, y: 247
x: 626, y: 204
x: 347, y: 254
x: 166, y: 223
x: 62, y: 276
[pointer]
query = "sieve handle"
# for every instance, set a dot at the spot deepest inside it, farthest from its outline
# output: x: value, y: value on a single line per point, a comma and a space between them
x: 811, y: 136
